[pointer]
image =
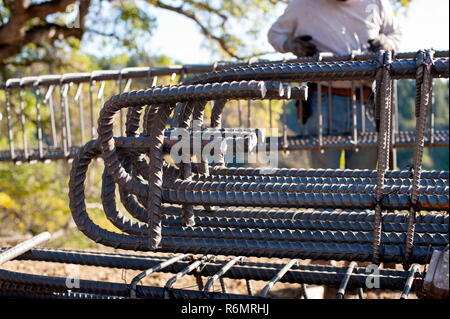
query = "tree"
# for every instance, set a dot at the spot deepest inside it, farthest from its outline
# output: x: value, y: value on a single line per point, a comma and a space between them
x: 31, y: 30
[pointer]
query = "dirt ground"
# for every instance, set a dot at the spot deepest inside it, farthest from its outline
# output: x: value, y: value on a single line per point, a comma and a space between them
x: 280, y: 290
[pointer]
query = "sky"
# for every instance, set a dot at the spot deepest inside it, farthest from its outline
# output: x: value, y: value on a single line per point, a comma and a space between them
x: 426, y: 25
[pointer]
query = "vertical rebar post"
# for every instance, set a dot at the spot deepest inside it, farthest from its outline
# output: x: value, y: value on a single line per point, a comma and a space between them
x: 354, y: 118
x: 319, y: 110
x: 423, y: 99
x: 341, y: 293
x: 270, y: 114
x: 38, y: 120
x: 91, y: 106
x: 284, y: 126
x: 363, y: 108
x: 8, y: 121
x: 330, y: 108
x: 79, y: 98
x: 384, y: 106
x: 249, y: 104
x: 48, y: 100
x: 122, y: 124
x: 248, y: 283
x: 409, y: 281
x: 394, y: 125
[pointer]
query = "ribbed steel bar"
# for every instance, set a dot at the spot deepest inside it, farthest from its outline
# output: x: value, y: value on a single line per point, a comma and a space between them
x: 97, y: 76
x: 62, y: 105
x: 298, y: 235
x: 423, y: 100
x: 320, y: 117
x: 18, y: 293
x: 248, y: 283
x: 320, y: 71
x: 341, y: 292
x: 21, y: 248
x: 187, y: 270
x: 403, y: 139
x: 58, y: 285
x: 367, y: 140
x: 364, y: 216
x: 383, y: 107
x: 221, y: 272
x: 309, y: 274
x: 293, y: 172
x: 182, y: 194
x: 320, y: 225
x: 288, y: 249
x: 155, y: 71
x: 355, y: 140
x: 277, y: 277
x: 149, y: 271
x: 409, y: 282
x: 312, y: 180
x: 306, y: 188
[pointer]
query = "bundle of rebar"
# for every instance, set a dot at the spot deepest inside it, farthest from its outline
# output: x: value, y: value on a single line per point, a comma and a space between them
x: 193, y: 204
x: 209, y: 188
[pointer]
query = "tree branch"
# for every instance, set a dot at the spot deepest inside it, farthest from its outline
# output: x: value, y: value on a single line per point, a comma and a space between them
x: 44, y: 9
x: 204, y: 30
x: 48, y: 32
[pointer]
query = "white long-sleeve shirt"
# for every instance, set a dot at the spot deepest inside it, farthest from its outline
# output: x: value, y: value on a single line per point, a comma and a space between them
x: 336, y: 26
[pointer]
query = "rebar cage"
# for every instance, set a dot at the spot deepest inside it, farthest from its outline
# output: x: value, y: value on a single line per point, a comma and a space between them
x: 202, y: 209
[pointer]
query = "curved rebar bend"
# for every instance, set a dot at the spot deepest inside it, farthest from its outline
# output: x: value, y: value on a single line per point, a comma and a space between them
x: 278, y: 276
x: 220, y: 273
x: 164, y: 97
x: 78, y: 207
x: 185, y: 271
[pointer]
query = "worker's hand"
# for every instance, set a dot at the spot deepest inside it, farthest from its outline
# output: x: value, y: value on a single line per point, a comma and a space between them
x: 300, y: 46
x: 381, y: 42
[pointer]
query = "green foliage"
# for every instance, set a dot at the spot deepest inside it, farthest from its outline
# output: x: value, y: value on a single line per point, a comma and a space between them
x: 30, y: 197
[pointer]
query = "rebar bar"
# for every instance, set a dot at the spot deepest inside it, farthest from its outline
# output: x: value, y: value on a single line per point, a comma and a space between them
x: 21, y: 248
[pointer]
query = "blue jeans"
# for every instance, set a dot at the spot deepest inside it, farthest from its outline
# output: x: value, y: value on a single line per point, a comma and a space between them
x: 341, y: 124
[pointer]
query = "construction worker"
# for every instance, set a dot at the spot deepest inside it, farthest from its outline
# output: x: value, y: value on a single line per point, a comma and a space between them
x: 340, y: 27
